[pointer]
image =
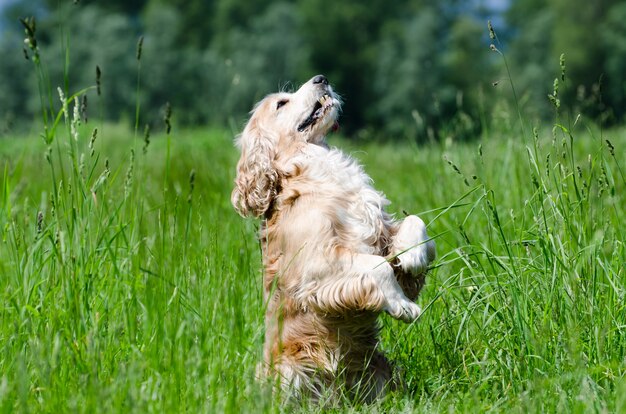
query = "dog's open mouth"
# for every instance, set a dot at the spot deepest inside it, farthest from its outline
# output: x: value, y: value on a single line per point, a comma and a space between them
x: 321, y: 107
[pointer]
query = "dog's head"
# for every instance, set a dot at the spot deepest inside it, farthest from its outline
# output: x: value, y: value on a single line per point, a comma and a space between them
x: 278, y: 123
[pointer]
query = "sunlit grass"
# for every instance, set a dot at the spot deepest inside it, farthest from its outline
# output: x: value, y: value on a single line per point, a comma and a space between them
x: 145, y: 295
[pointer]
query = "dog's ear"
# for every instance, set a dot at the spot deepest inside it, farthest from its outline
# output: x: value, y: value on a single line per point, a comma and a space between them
x: 256, y: 181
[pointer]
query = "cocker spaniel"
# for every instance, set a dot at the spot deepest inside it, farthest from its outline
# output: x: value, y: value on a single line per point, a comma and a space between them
x: 333, y: 258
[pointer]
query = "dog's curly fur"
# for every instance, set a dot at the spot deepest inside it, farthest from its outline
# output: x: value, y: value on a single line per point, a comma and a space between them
x: 333, y: 258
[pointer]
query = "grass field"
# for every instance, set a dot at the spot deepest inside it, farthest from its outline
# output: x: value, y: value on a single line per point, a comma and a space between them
x: 130, y: 285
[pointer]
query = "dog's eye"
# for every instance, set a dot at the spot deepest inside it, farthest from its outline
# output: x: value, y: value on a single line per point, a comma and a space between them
x: 282, y: 103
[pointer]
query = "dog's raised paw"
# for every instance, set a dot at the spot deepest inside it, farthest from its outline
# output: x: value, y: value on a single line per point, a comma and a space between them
x: 403, y: 310
x: 414, y: 248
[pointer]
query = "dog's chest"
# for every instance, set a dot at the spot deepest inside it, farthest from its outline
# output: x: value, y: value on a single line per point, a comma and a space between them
x: 345, y: 187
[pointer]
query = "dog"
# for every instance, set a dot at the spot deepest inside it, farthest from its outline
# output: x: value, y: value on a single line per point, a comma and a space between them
x: 333, y: 258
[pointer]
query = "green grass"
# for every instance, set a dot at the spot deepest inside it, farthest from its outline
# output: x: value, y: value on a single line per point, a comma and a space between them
x: 139, y: 289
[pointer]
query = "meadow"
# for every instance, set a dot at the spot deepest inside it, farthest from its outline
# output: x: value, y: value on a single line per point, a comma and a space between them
x: 129, y: 284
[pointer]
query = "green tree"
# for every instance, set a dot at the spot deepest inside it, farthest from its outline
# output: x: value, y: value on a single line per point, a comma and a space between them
x: 232, y: 15
x: 14, y: 94
x: 95, y: 38
x: 580, y: 30
x: 408, y: 80
x: 344, y: 39
x: 613, y: 37
x: 196, y: 18
x: 266, y: 56
x: 532, y: 63
x: 127, y: 7
x: 469, y: 75
x: 576, y: 31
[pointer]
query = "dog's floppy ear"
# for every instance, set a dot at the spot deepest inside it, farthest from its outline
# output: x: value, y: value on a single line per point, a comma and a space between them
x: 256, y: 181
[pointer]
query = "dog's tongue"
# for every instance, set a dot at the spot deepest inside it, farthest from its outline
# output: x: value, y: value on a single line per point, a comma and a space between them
x: 335, y: 127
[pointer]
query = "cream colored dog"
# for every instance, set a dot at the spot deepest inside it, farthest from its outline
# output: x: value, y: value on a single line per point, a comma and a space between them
x: 333, y: 258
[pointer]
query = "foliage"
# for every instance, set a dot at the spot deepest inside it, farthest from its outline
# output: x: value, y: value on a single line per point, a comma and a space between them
x: 13, y: 95
x: 415, y: 69
x: 130, y: 285
x: 589, y: 35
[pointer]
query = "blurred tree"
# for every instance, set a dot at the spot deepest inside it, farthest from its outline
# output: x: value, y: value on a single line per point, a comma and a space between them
x: 14, y: 94
x: 128, y: 7
x: 613, y: 37
x: 408, y: 79
x: 162, y: 80
x: 576, y: 30
x: 196, y: 18
x: 343, y: 36
x: 90, y: 38
x: 95, y: 38
x: 469, y: 70
x: 232, y: 15
x: 431, y: 76
x: 417, y: 68
x: 533, y: 66
x: 265, y: 57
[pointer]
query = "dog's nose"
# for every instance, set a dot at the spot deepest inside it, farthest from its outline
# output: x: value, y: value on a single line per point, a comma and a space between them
x: 320, y: 79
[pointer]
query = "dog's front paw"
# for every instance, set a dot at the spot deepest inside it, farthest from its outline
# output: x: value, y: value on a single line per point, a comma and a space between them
x: 403, y: 310
x: 414, y: 249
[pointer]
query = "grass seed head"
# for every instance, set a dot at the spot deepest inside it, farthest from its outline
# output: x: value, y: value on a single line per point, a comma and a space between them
x: 146, y: 138
x: 75, y: 123
x: 94, y: 135
x: 128, y: 183
x: 30, y: 41
x: 611, y: 148
x: 192, y: 181
x: 98, y: 75
x: 83, y: 108
x: 139, y: 47
x: 166, y: 117
x: 492, y: 33
x: 39, y: 222
x: 81, y: 164
x: 63, y: 102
